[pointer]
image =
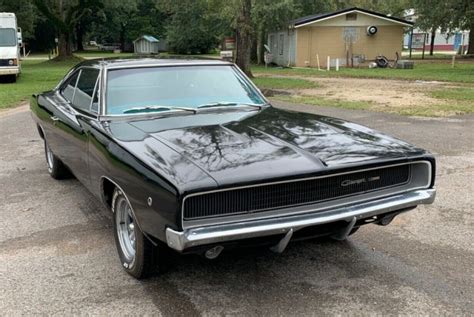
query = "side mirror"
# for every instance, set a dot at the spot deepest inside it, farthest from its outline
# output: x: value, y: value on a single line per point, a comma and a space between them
x: 18, y: 35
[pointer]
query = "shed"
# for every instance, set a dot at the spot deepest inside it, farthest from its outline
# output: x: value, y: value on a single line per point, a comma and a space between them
x: 350, y: 35
x: 146, y: 44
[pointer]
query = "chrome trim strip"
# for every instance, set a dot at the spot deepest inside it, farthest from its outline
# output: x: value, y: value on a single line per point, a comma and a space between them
x: 210, y: 62
x: 310, y: 178
x: 223, y: 63
x: 182, y: 240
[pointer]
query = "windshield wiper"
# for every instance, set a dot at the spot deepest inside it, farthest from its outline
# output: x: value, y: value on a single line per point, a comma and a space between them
x: 158, y: 108
x: 232, y: 104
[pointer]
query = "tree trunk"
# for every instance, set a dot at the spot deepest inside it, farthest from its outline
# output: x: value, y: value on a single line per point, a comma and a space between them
x: 64, y: 45
x: 122, y: 37
x: 80, y: 37
x: 244, y: 37
x: 259, y: 47
x: 470, y: 49
x: 433, y: 35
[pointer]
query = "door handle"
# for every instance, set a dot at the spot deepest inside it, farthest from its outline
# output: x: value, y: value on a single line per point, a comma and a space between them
x: 55, y: 119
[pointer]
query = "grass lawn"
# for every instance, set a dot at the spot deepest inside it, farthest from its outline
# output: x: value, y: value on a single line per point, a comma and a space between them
x: 440, y: 71
x: 36, y: 76
x: 464, y: 93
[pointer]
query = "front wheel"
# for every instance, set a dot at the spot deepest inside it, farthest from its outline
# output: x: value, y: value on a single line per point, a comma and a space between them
x: 138, y: 256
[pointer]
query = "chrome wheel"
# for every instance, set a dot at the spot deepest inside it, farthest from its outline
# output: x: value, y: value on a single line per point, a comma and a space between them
x: 49, y: 158
x: 125, y: 228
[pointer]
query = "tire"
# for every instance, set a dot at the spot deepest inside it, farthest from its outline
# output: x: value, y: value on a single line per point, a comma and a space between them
x: 56, y: 168
x: 138, y: 256
x: 12, y: 78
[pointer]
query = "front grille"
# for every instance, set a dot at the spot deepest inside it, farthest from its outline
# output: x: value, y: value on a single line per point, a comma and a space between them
x: 4, y: 62
x: 260, y: 198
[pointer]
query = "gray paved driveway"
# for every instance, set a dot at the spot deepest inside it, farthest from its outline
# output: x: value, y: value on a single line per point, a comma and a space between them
x: 57, y: 253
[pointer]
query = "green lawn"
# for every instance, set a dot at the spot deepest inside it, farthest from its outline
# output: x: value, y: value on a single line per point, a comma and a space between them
x: 464, y: 93
x: 283, y: 83
x: 36, y: 76
x: 462, y: 72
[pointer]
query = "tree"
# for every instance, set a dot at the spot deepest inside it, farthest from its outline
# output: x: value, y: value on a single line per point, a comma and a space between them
x: 462, y: 17
x: 243, y: 36
x: 431, y: 16
x: 189, y: 30
x: 25, y: 13
x: 65, y: 15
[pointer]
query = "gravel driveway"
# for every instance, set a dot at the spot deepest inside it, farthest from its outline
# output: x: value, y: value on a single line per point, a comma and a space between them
x: 57, y: 252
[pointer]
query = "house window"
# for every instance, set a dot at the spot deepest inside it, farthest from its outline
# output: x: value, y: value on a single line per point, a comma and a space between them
x: 281, y: 43
x: 351, y: 16
x: 272, y: 43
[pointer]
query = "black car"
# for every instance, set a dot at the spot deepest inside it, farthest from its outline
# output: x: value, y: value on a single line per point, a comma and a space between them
x: 190, y: 156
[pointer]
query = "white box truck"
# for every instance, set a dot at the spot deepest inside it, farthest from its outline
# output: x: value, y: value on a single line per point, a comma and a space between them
x: 9, y: 46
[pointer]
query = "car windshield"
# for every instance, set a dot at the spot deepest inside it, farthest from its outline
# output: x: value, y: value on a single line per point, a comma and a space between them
x: 160, y: 89
x: 8, y: 37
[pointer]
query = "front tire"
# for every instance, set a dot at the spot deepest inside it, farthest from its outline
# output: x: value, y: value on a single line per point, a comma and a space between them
x: 56, y: 168
x: 138, y: 256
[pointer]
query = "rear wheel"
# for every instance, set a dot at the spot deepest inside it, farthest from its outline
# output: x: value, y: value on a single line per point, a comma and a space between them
x: 139, y: 257
x: 56, y: 168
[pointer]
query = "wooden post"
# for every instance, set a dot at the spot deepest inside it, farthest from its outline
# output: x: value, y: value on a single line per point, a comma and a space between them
x: 329, y: 63
x: 317, y: 60
x: 424, y: 43
x: 454, y: 59
x: 337, y: 64
x: 411, y: 41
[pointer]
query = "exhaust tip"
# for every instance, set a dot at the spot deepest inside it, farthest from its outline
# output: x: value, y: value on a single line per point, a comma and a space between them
x: 214, y: 252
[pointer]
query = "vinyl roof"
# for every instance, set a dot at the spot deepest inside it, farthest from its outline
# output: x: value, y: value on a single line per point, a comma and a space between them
x: 316, y: 17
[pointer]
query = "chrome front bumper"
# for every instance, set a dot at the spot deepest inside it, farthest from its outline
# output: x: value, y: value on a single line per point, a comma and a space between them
x: 181, y: 240
x: 9, y: 70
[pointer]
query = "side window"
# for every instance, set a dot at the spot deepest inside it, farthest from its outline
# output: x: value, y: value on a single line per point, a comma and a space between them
x: 85, y: 89
x: 95, y: 98
x: 67, y: 89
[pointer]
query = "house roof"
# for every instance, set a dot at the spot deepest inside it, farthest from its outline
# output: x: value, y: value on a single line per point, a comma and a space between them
x: 148, y: 38
x: 324, y: 16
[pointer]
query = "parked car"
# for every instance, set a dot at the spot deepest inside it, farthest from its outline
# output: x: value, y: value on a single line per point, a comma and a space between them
x: 190, y: 156
x: 109, y: 46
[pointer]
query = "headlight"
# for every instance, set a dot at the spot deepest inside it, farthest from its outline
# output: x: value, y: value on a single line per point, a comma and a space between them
x: 12, y: 62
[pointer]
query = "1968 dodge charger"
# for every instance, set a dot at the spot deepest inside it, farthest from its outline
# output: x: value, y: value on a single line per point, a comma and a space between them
x: 190, y: 156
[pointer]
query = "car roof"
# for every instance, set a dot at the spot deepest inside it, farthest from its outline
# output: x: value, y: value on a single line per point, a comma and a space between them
x: 149, y: 61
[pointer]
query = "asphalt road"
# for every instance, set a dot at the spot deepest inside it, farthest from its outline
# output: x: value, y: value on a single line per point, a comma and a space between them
x: 57, y: 254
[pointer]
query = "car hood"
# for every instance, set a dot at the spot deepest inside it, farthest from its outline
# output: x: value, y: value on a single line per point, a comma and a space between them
x: 212, y: 148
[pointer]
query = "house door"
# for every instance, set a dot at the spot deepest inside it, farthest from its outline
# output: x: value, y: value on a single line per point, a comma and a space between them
x: 457, y: 41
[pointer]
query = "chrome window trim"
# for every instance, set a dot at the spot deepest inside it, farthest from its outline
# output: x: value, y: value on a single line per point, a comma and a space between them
x: 205, y: 63
x: 312, y: 205
x: 71, y: 107
x: 96, y: 90
x: 232, y: 65
x: 76, y: 109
